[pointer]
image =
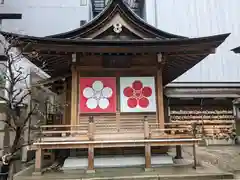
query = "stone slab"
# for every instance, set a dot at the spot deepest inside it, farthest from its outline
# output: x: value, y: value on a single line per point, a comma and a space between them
x: 115, y: 161
x: 160, y: 173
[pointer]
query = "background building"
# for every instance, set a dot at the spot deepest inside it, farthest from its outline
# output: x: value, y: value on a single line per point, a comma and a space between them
x: 190, y: 18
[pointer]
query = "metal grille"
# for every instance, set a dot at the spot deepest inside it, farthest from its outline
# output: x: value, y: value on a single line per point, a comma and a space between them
x: 135, y: 5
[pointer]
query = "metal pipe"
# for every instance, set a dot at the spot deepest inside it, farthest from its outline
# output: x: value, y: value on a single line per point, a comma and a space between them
x: 155, y: 11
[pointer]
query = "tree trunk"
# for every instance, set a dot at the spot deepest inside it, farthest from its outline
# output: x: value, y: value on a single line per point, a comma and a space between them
x: 6, y: 138
x: 11, y: 170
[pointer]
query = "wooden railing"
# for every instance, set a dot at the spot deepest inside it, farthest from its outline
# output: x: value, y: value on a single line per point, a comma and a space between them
x: 133, y: 130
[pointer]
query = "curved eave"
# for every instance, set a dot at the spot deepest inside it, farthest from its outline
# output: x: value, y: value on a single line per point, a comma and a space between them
x: 236, y: 50
x: 204, y: 44
x: 183, y: 53
x: 178, y: 65
x: 117, y: 6
x: 61, y: 41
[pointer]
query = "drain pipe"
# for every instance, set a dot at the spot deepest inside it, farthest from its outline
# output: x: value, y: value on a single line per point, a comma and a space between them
x: 156, y: 15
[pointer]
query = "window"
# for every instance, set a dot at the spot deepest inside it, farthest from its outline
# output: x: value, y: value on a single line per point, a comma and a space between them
x: 83, y: 2
x: 82, y: 22
x: 0, y: 24
x: 106, y: 1
x: 1, y: 1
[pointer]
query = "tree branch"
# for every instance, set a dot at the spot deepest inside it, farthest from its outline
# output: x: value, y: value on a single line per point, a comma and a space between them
x: 28, y: 116
x: 4, y: 99
x: 20, y: 102
x: 9, y: 124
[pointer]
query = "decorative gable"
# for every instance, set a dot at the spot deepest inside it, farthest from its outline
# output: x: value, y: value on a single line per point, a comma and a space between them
x: 117, y: 29
x: 117, y: 21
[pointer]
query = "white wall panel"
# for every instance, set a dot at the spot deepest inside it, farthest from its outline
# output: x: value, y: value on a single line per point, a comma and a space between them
x: 196, y: 18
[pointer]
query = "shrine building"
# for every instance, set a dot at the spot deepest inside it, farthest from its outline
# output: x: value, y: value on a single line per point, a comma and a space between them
x: 112, y: 72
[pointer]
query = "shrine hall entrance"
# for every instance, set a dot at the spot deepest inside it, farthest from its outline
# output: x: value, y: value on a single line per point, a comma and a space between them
x: 118, y: 100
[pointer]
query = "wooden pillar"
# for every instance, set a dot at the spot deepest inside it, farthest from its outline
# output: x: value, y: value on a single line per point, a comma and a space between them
x: 74, y: 97
x: 178, y: 152
x: 147, y: 146
x: 118, y: 120
x: 194, y: 156
x: 90, y: 159
x: 146, y: 128
x: 160, y: 104
x: 53, y: 156
x: 147, y: 157
x: 194, y: 129
x: 65, y: 108
x: 118, y: 102
x: 91, y: 146
x: 91, y: 127
x: 38, y: 160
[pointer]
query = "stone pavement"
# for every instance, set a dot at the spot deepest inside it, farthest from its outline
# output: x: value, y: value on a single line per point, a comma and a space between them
x: 217, y: 162
x: 162, y: 173
x: 226, y: 158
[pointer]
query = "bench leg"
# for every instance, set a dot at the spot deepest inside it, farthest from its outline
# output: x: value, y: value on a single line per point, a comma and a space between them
x: 178, y: 152
x: 38, y: 161
x: 90, y: 159
x: 147, y: 157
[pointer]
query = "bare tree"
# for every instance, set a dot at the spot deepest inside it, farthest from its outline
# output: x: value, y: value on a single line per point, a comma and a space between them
x: 15, y: 101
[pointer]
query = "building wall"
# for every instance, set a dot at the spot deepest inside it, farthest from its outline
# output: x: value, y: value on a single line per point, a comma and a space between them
x: 46, y: 17
x: 196, y: 18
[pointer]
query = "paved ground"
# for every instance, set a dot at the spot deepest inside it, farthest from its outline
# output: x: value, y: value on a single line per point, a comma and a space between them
x: 170, y: 173
x: 216, y: 160
x: 226, y: 158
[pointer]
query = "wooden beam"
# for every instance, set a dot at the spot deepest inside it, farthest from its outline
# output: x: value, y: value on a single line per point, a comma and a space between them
x: 133, y: 68
x: 38, y: 160
x: 69, y: 145
x: 202, y: 48
x: 199, y: 52
x: 160, y: 104
x: 74, y: 97
x: 50, y: 54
